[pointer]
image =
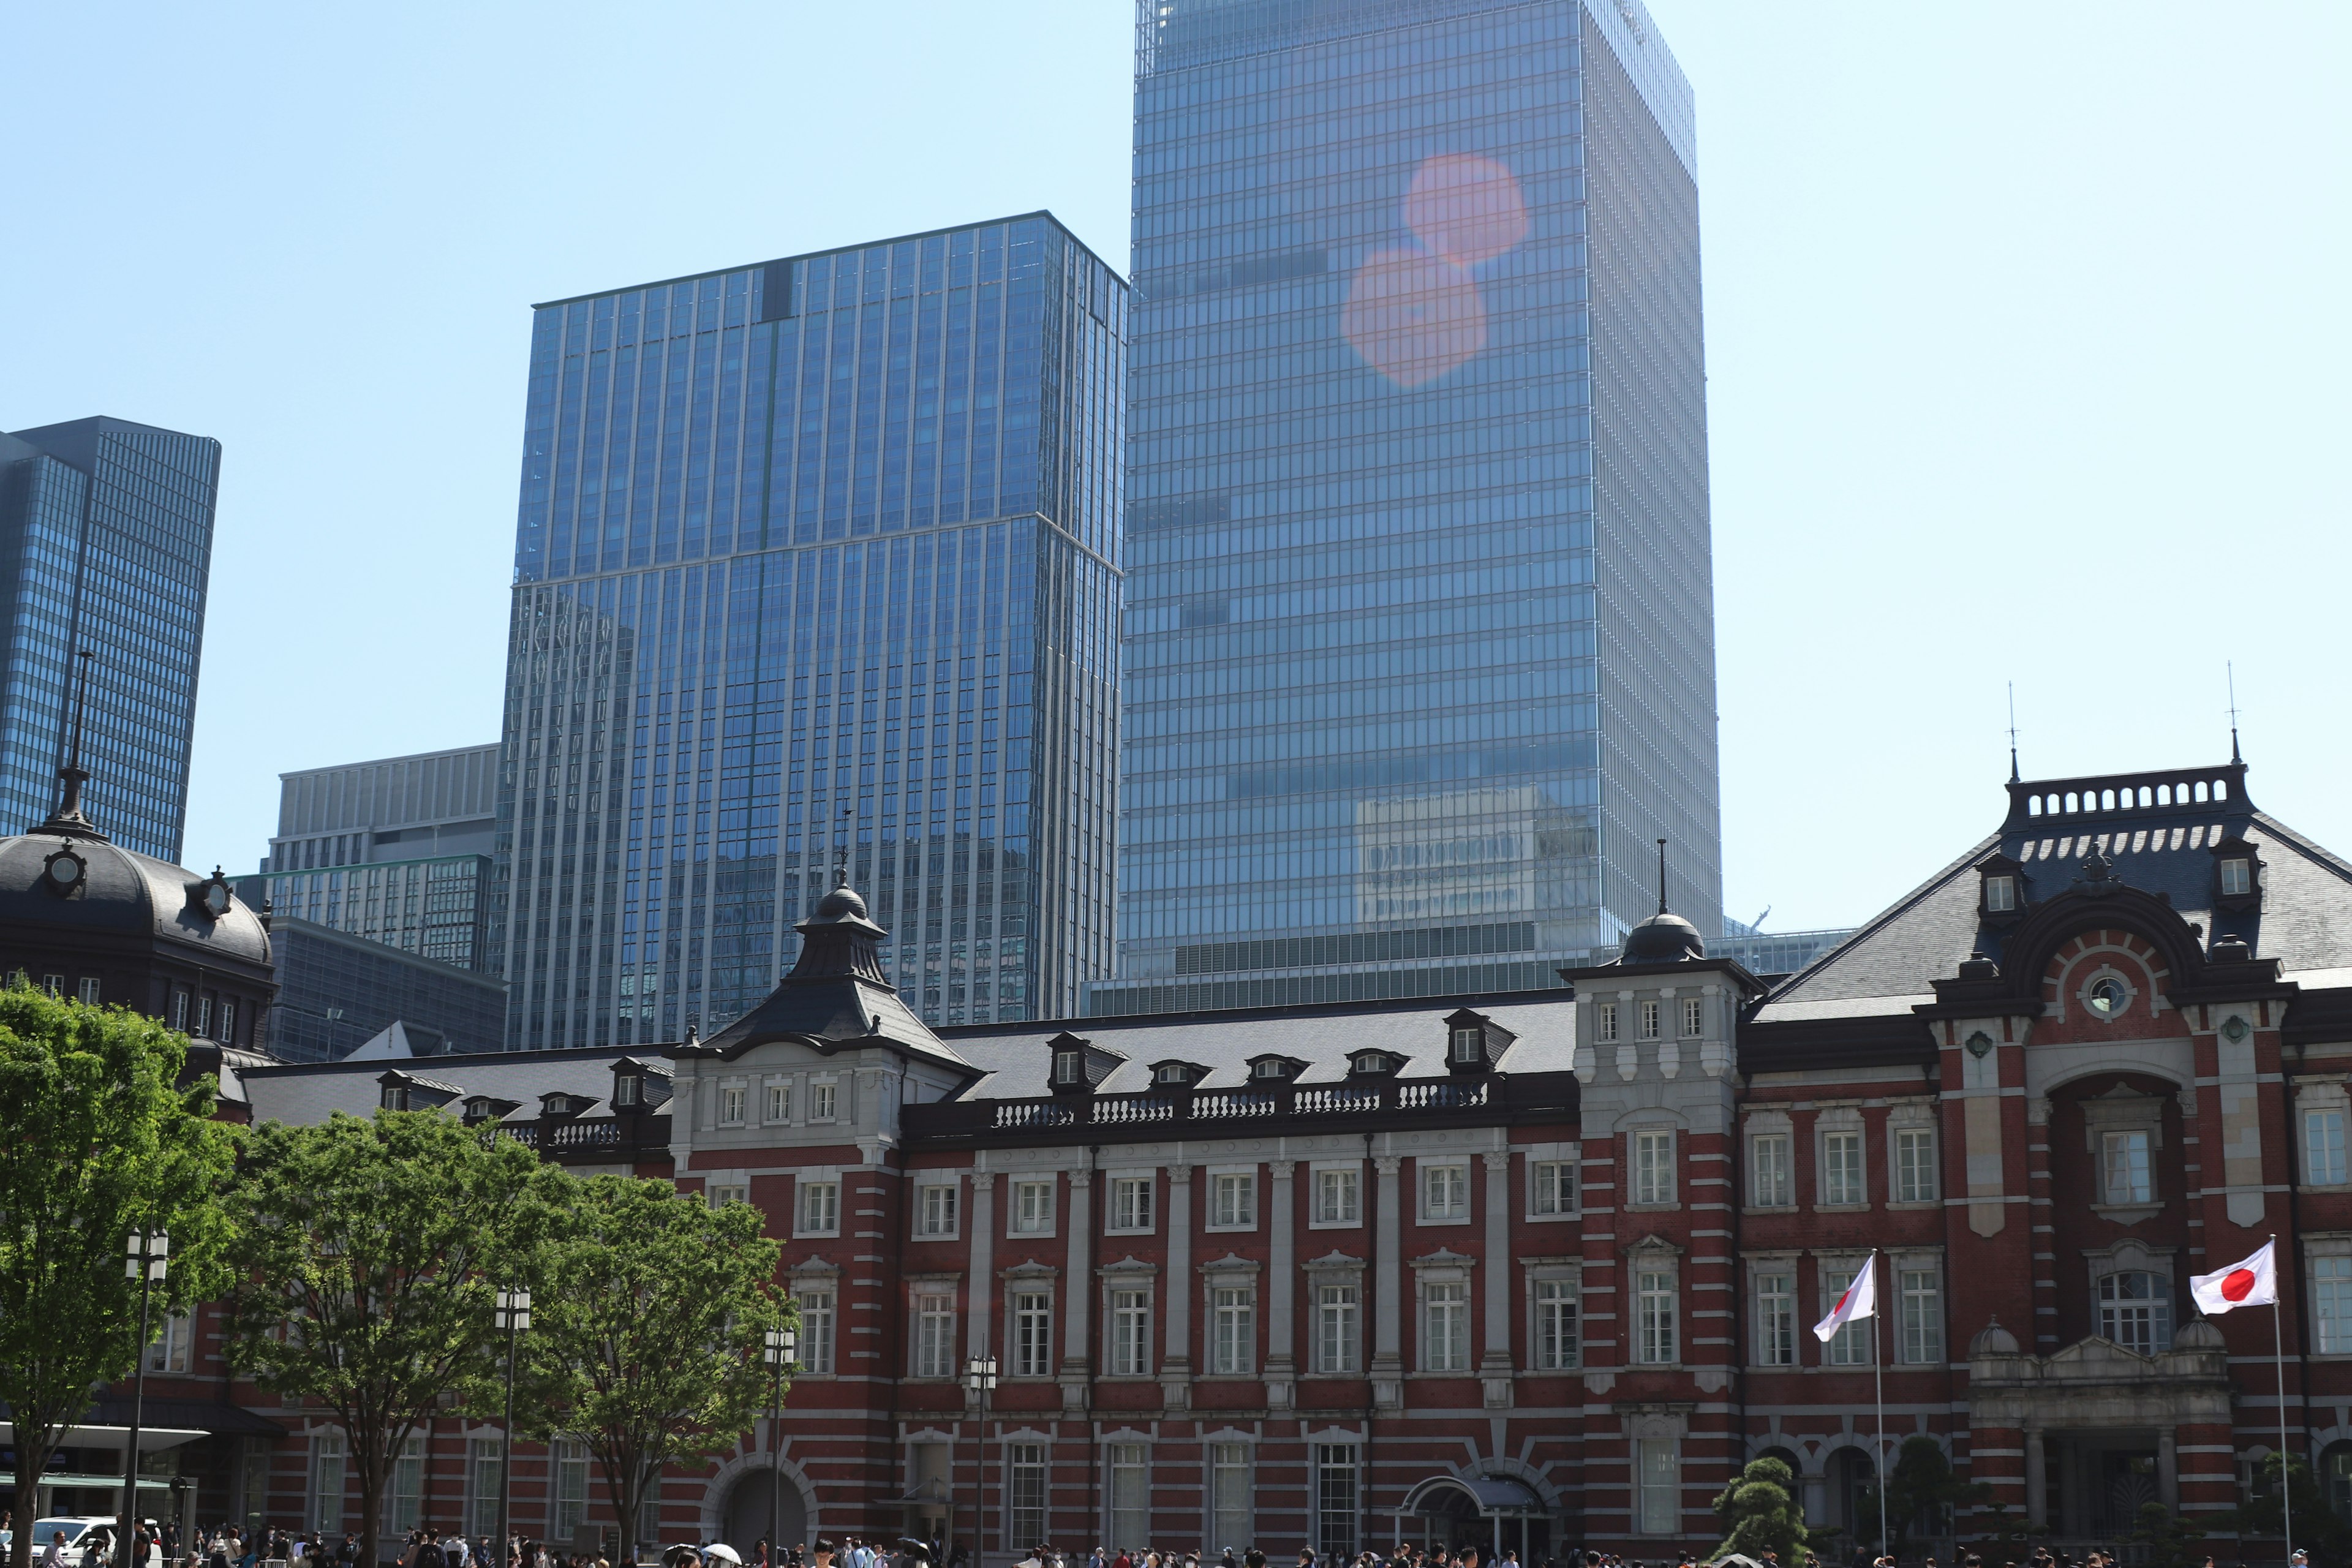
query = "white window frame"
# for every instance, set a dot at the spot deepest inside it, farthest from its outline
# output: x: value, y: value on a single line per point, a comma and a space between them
x: 1130, y: 1191
x: 1232, y: 1199
x: 2237, y: 877
x: 485, y: 1457
x: 1339, y: 1197
x: 1445, y: 1191
x: 933, y: 1318
x: 403, y: 1499
x: 1694, y: 1017
x: 2133, y: 1149
x: 816, y: 1205
x: 938, y: 1212
x: 1772, y: 1172
x: 779, y: 1105
x: 1339, y: 1326
x: 329, y: 1482
x: 2329, y: 1265
x: 89, y: 990
x: 1773, y: 1311
x: 1555, y: 1321
x: 2324, y: 1145
x: 1919, y: 1311
x: 1842, y: 1165
x: 1650, y: 1155
x: 1338, y: 1499
x: 1604, y: 1023
x: 1655, y: 1289
x: 1233, y: 1329
x: 1029, y: 1328
x: 1028, y: 1474
x: 1232, y: 1496
x: 824, y: 1099
x: 1127, y: 1329
x: 734, y: 1101
x: 567, y: 1488
x: 1657, y: 1485
x: 172, y: 1349
x: 819, y: 1315
x: 1031, y: 1210
x: 718, y: 1195
x: 1127, y: 1498
x: 1912, y: 1154
x: 2000, y: 894
x: 1446, y: 1322
x: 1652, y: 1013
x: 1554, y: 1187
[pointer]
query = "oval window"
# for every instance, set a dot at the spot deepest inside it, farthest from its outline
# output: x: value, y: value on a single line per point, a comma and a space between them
x: 2108, y: 996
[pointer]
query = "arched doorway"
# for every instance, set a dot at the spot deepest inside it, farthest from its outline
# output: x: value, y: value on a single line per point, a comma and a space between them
x: 1854, y: 1496
x: 1494, y: 1513
x: 747, y: 1515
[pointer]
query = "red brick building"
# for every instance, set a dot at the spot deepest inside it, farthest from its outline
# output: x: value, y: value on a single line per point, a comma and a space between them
x: 1540, y: 1266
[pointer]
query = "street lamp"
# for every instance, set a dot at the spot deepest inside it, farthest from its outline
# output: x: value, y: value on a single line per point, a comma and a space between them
x: 782, y: 1351
x: 979, y: 1381
x: 513, y: 1316
x: 146, y: 1261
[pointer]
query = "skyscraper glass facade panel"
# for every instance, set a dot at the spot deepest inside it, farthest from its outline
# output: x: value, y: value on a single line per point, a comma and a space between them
x: 106, y: 538
x: 817, y: 570
x: 1419, y: 653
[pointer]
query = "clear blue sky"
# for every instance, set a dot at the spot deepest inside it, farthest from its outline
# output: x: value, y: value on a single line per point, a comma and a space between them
x: 2026, y: 333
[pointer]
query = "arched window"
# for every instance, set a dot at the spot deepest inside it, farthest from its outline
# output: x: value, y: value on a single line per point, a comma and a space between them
x: 2136, y: 1312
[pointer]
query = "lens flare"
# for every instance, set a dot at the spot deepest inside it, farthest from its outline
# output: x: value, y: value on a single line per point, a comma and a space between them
x: 1465, y: 208
x: 1413, y: 317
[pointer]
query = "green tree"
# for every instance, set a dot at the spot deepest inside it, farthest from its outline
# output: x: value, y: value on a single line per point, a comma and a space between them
x: 1760, y: 1513
x: 2316, y: 1528
x: 367, y: 1258
x: 649, y: 1316
x: 2172, y: 1541
x: 97, y: 1141
x: 1922, y: 1490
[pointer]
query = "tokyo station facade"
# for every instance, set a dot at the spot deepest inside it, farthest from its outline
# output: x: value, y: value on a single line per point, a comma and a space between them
x: 1535, y: 1268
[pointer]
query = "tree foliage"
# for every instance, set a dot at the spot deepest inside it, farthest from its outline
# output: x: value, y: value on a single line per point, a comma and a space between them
x: 650, y: 1312
x: 96, y: 1142
x: 1759, y: 1513
x: 2316, y: 1528
x: 367, y: 1260
x: 1922, y: 1490
x: 2171, y: 1540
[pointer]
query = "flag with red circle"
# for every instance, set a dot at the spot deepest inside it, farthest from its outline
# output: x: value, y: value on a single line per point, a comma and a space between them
x: 2251, y: 1283
x: 1858, y: 1300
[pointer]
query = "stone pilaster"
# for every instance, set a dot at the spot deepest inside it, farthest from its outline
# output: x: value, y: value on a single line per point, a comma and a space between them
x: 1494, y: 1362
x: 1388, y: 1289
x: 1176, y: 1366
x: 1077, y: 1310
x: 1281, y: 1360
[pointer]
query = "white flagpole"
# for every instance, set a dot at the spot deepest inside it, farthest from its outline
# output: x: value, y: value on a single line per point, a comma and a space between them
x: 1878, y: 1377
x: 2286, y: 1456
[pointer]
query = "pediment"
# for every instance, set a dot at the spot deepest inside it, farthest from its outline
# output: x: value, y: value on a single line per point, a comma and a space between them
x: 2098, y: 1352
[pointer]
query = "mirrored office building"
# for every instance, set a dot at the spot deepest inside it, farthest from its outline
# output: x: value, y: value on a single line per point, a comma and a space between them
x: 1419, y: 632
x: 817, y: 574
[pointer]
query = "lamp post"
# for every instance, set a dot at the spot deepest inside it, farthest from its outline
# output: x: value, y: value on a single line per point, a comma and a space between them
x: 513, y: 1316
x: 782, y: 1352
x: 980, y: 1379
x: 145, y: 1262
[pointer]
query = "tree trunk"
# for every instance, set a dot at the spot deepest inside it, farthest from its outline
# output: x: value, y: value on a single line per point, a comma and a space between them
x: 368, y: 1462
x: 32, y: 1459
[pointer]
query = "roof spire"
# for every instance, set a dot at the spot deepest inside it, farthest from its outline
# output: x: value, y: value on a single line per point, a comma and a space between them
x: 2012, y: 732
x: 841, y: 844
x: 2230, y: 669
x: 1662, y: 876
x: 68, y: 816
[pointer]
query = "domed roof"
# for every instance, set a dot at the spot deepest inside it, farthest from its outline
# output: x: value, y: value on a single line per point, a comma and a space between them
x: 1662, y: 939
x: 122, y: 893
x: 1993, y: 1339
x: 843, y: 900
x: 2199, y: 1334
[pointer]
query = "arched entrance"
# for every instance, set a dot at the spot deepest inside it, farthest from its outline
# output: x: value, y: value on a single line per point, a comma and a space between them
x: 746, y: 1513
x: 1494, y: 1513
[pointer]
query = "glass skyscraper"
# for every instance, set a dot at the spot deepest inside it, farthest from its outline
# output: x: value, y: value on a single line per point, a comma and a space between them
x: 817, y: 567
x: 1419, y: 643
x: 106, y: 545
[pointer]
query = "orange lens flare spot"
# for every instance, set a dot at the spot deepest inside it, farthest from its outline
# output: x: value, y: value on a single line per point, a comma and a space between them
x: 1465, y: 208
x: 1413, y: 317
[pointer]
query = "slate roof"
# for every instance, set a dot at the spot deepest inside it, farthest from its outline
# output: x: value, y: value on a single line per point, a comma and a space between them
x: 1017, y: 1062
x: 2304, y: 920
x: 301, y: 1093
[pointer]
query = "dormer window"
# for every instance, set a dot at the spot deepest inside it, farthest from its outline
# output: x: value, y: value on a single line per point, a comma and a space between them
x: 1269, y: 1068
x: 2237, y: 878
x: 1175, y: 1075
x: 1466, y: 1046
x: 1069, y: 1068
x: 395, y: 1098
x: 478, y: 1107
x: 1375, y: 1064
x: 2001, y: 895
x: 557, y: 1104
x: 624, y: 1091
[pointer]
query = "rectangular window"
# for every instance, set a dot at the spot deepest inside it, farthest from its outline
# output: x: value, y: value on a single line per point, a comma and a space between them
x: 1130, y: 1203
x: 1233, y: 1200
x: 1233, y: 1320
x: 1555, y: 1187
x: 2331, y: 1304
x: 204, y: 1014
x: 822, y: 1099
x: 2001, y: 895
x: 1694, y: 1015
x: 1768, y: 1171
x: 1605, y: 1025
x: 1915, y: 1164
x: 1335, y: 1197
x: 1649, y: 1020
x: 1851, y: 1345
x: 1655, y: 1318
x: 1446, y: 1326
x: 731, y: 1100
x: 228, y: 1016
x: 1032, y: 1333
x: 937, y: 1210
x: 1231, y: 1522
x: 1556, y: 1345
x: 2237, y: 878
x: 90, y: 991
x: 820, y: 1208
x: 1025, y: 1517
x: 1660, y: 1505
x: 717, y: 1194
x: 624, y: 1091
x: 2124, y: 1168
x: 327, y: 1482
x: 1033, y: 1208
x: 486, y: 1483
x: 1444, y: 1192
x: 1842, y: 1168
x: 2323, y: 1147
x: 169, y: 1352
x: 180, y: 1015
x: 55, y: 984
x: 571, y: 1510
x: 1923, y: 1316
x: 403, y: 1509
x: 1131, y: 1504
x: 935, y: 1317
x: 1130, y: 1333
x: 1336, y: 1308
x: 1776, y: 1319
x: 816, y: 1329
x: 779, y: 1103
x: 1335, y: 1500
x: 1653, y: 1167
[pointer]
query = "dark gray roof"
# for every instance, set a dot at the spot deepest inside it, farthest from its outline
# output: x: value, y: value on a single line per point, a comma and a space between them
x: 1015, y: 1057
x: 301, y: 1093
x: 124, y: 893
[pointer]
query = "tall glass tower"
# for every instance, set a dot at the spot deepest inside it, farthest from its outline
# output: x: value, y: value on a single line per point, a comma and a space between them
x: 1419, y: 644
x: 816, y: 570
x: 106, y: 545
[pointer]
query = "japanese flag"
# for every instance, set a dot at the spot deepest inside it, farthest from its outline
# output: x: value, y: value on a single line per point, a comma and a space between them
x: 2252, y: 1283
x: 1860, y: 1300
